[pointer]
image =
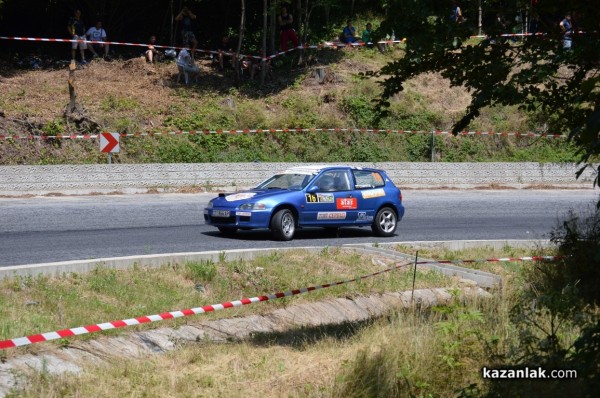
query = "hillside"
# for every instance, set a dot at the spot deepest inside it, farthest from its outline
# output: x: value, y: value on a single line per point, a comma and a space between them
x: 131, y: 96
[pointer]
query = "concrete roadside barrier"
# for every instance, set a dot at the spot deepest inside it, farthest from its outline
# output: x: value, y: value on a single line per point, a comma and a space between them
x: 138, y: 178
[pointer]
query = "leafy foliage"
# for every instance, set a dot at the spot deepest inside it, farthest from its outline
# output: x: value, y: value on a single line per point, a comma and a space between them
x: 556, y: 316
x: 536, y: 73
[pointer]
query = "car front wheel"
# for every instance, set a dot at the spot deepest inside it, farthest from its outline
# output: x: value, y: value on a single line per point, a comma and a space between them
x: 385, y: 222
x: 283, y: 225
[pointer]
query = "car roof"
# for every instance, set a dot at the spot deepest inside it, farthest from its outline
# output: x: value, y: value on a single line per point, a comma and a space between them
x: 316, y: 168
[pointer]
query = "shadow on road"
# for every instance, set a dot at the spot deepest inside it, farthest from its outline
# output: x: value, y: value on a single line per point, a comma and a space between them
x: 301, y: 234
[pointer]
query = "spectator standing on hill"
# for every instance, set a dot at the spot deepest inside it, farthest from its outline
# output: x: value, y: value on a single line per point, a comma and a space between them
x: 456, y: 15
x: 76, y: 29
x: 349, y: 33
x: 286, y: 24
x: 567, y: 28
x: 97, y: 33
x: 534, y: 23
x: 187, y: 17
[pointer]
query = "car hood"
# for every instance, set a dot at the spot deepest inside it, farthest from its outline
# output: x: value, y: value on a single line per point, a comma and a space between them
x: 235, y: 199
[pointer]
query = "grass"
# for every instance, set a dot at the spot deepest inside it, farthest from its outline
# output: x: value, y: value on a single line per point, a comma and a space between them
x: 130, y: 96
x: 417, y: 352
x: 41, y: 304
x: 505, y: 269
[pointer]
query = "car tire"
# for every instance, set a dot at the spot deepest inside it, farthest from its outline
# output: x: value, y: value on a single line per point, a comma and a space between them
x: 283, y: 225
x: 385, y: 222
x: 227, y: 230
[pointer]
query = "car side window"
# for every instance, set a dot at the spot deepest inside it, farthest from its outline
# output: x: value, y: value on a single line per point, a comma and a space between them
x: 368, y: 179
x: 333, y: 181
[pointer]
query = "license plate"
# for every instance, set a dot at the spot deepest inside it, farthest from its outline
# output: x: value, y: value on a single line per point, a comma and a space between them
x: 220, y: 213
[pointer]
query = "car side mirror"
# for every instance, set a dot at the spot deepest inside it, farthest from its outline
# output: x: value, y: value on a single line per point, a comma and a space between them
x: 313, y: 189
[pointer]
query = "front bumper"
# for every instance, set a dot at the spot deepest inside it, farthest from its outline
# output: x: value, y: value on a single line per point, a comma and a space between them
x: 237, y: 218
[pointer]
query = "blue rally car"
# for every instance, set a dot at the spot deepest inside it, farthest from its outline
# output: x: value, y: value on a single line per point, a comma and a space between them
x: 311, y: 196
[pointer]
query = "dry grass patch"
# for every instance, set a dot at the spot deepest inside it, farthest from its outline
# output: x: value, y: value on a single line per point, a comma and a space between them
x: 504, y: 268
x: 407, y: 354
x: 30, y: 305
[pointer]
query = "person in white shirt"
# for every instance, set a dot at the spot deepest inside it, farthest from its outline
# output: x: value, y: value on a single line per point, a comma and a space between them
x: 96, y: 33
x: 185, y: 61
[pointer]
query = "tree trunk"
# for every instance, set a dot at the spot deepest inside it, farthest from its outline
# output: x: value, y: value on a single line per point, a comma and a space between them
x: 74, y: 112
x: 263, y: 62
x: 298, y: 15
x: 274, y: 29
x: 236, y: 58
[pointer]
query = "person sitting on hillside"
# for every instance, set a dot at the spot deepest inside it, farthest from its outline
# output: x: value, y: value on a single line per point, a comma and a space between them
x: 349, y: 33
x: 152, y: 54
x: 257, y: 65
x: 186, y: 64
x: 224, y: 49
x: 367, y: 35
x: 97, y: 34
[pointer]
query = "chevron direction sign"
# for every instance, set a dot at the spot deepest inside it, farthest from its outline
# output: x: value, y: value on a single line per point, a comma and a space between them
x: 109, y: 142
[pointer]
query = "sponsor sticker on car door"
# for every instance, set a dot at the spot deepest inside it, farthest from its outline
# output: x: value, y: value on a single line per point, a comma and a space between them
x: 346, y: 203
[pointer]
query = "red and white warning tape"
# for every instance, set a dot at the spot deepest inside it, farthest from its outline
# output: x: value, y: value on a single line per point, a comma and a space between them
x: 494, y: 260
x: 286, y: 130
x: 61, y: 334
x: 118, y: 43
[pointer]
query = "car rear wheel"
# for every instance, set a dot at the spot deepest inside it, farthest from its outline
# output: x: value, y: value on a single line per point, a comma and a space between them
x: 227, y: 230
x: 385, y: 222
x: 283, y: 225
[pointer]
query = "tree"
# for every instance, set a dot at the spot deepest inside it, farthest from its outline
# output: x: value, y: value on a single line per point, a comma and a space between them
x: 236, y: 58
x: 560, y: 86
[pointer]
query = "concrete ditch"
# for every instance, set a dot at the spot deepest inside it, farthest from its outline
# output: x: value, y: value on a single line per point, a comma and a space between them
x: 72, y: 358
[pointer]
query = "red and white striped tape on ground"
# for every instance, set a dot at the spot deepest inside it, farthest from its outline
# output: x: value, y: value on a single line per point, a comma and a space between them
x: 61, y: 334
x: 285, y: 130
x: 495, y: 260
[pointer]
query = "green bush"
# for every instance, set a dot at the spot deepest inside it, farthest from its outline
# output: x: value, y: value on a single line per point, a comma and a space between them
x: 113, y: 103
x: 360, y: 109
x: 54, y: 127
x: 557, y: 316
x: 202, y: 271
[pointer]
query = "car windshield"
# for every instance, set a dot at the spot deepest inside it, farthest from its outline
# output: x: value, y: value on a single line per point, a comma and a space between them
x: 292, y: 181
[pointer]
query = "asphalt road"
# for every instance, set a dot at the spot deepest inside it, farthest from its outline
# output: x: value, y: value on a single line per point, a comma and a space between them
x: 50, y: 229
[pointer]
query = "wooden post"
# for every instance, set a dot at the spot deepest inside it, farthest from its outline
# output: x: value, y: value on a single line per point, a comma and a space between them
x: 72, y: 96
x: 74, y: 112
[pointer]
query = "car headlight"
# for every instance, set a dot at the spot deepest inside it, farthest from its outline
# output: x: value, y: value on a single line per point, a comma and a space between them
x: 253, y: 206
x: 210, y: 204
